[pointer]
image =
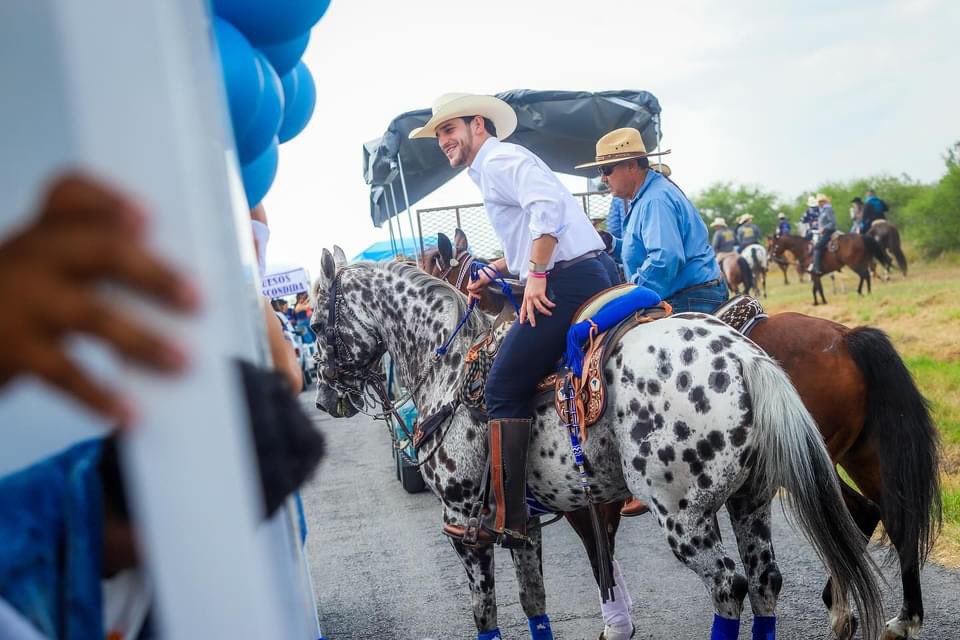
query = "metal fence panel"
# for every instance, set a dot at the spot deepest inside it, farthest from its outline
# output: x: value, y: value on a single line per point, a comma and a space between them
x: 472, y: 218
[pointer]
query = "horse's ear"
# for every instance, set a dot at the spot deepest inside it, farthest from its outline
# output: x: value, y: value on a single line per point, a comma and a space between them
x: 459, y: 241
x: 329, y: 266
x: 339, y: 257
x: 445, y: 248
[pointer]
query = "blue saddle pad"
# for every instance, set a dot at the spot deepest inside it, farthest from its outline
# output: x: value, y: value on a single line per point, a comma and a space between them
x: 609, y: 316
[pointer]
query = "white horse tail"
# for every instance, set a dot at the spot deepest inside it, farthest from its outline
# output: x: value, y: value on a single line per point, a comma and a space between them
x: 758, y: 258
x: 790, y: 453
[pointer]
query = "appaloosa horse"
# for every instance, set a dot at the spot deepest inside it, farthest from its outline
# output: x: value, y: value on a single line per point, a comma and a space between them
x: 877, y: 426
x: 847, y: 249
x: 756, y: 257
x: 697, y: 418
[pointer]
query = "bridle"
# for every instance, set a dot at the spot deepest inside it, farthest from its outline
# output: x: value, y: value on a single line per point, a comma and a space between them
x: 463, y: 260
x: 371, y: 388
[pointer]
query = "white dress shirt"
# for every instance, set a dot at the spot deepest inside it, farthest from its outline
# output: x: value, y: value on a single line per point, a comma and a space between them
x: 525, y: 200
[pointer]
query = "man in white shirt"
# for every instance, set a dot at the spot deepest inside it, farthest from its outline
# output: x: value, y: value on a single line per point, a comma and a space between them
x: 547, y: 241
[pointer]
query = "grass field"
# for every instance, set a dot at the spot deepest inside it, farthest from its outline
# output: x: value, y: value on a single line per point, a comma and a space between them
x: 922, y: 316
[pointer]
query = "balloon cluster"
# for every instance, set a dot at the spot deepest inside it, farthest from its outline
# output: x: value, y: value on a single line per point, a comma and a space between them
x: 270, y: 92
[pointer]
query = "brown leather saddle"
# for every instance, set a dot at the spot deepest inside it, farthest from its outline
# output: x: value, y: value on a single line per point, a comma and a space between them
x: 590, y: 389
x: 834, y: 242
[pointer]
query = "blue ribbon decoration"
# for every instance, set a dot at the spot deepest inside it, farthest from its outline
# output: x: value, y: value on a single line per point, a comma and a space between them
x: 609, y: 316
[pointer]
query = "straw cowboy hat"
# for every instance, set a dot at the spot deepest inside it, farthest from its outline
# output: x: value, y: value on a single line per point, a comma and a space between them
x: 662, y: 169
x: 619, y: 145
x: 812, y: 201
x: 458, y: 105
x: 781, y: 216
x: 744, y: 218
x: 822, y: 198
x: 718, y: 222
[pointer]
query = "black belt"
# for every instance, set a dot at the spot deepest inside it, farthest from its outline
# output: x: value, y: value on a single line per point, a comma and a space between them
x: 702, y: 285
x: 563, y: 264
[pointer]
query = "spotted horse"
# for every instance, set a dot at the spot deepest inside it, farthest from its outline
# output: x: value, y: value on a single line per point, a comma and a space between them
x: 679, y: 433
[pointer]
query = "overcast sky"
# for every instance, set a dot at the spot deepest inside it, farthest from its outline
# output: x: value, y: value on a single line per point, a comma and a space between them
x: 779, y: 94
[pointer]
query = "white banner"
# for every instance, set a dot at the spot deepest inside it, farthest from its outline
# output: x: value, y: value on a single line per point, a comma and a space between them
x: 285, y: 283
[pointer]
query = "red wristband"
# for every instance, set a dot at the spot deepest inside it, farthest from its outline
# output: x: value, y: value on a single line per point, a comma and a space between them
x: 538, y: 274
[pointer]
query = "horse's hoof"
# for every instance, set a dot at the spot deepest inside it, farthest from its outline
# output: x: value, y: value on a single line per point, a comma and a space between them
x: 897, y: 629
x: 613, y: 634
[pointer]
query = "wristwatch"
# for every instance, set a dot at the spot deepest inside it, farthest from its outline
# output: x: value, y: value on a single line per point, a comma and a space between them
x: 537, y: 267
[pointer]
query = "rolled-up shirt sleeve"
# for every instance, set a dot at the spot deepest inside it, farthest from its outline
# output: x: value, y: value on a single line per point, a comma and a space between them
x: 535, y: 192
x: 661, y: 237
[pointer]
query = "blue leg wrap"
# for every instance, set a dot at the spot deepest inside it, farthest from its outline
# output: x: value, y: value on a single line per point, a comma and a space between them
x: 764, y: 627
x: 540, y: 628
x: 492, y: 634
x: 724, y: 628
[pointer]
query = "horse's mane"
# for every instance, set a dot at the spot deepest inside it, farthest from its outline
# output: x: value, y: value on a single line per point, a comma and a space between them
x: 426, y: 284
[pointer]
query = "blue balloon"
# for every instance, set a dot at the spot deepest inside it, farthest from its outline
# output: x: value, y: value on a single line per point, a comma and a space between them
x: 274, y: 21
x: 252, y: 141
x: 242, y: 75
x: 284, y: 56
x: 301, y: 95
x: 258, y: 175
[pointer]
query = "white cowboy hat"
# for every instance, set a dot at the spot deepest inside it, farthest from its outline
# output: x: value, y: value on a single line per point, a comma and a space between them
x: 458, y: 105
x: 812, y: 201
x: 619, y: 145
x: 744, y: 218
x: 822, y: 198
x: 781, y: 215
x: 718, y: 222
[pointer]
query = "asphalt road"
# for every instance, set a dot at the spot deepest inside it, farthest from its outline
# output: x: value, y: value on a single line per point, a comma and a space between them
x: 382, y: 569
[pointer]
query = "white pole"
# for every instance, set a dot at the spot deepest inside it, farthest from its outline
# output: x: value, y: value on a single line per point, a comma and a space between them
x: 130, y: 91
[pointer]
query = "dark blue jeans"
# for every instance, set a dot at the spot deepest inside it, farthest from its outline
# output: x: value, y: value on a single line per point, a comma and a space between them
x: 702, y: 300
x: 528, y: 354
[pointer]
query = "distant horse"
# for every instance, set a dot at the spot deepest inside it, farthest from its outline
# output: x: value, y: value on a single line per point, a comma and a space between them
x: 888, y: 237
x: 785, y: 258
x: 697, y: 418
x: 756, y: 257
x: 877, y: 426
x: 736, y: 271
x: 849, y: 249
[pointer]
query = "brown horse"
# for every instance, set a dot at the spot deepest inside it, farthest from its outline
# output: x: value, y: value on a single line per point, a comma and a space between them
x: 849, y: 249
x: 888, y: 237
x: 736, y: 271
x: 799, y: 260
x: 876, y: 425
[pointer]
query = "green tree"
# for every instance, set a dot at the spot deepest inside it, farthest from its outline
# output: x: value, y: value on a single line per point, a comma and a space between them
x: 727, y: 201
x: 933, y: 217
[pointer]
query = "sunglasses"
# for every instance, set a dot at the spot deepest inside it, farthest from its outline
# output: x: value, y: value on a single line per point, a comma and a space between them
x: 607, y: 169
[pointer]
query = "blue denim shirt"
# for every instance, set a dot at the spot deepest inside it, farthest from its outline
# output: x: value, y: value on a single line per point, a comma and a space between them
x: 615, y: 225
x: 665, y: 245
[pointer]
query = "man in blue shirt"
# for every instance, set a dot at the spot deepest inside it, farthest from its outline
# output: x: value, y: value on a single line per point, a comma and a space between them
x: 783, y: 225
x: 664, y: 242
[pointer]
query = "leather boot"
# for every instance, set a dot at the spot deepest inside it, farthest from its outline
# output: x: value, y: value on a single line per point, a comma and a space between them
x: 633, y: 507
x: 507, y: 517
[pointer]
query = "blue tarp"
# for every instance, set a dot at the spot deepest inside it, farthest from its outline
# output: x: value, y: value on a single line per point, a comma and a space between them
x: 384, y: 250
